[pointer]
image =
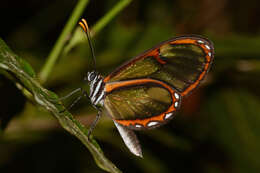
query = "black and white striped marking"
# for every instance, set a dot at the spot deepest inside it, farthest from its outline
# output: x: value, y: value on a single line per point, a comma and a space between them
x: 97, y: 92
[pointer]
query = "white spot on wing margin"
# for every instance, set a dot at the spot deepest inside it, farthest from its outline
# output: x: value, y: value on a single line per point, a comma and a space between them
x: 152, y: 123
x: 200, y: 41
x: 207, y: 46
x: 176, y: 104
x: 176, y: 95
x: 168, y: 115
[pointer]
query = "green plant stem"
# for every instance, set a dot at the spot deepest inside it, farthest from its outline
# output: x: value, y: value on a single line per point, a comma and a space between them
x: 78, y: 36
x: 53, y: 56
x: 48, y: 100
x: 109, y: 16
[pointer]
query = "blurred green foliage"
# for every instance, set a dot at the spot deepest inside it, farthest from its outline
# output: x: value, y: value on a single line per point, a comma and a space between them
x: 217, y: 129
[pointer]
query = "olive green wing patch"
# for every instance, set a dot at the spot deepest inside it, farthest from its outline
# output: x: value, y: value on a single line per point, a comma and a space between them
x: 181, y: 62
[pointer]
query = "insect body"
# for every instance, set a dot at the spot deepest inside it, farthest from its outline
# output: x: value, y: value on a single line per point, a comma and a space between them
x: 97, y: 85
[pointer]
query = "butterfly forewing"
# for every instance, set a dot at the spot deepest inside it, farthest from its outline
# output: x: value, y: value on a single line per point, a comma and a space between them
x: 181, y: 62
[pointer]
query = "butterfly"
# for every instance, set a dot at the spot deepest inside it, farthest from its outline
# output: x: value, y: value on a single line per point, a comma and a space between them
x: 146, y: 92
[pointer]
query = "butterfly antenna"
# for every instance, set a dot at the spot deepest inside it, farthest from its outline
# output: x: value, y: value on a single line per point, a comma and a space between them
x: 83, y: 23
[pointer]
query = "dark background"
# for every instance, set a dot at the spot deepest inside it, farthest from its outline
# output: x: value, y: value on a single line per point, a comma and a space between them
x: 217, y: 129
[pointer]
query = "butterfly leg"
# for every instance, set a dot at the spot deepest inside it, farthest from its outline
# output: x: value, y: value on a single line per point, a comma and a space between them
x: 94, y: 123
x: 83, y: 93
x: 67, y: 96
x: 71, y: 94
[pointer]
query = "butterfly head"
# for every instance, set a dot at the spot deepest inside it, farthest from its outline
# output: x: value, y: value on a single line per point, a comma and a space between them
x: 91, y: 76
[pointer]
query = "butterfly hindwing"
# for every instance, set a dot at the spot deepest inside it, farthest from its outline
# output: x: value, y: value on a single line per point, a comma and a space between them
x: 141, y: 103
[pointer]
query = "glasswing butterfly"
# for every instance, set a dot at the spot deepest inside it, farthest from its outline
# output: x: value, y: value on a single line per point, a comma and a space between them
x: 146, y: 91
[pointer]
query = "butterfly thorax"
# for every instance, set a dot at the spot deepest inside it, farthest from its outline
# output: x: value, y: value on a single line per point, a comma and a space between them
x: 97, y: 85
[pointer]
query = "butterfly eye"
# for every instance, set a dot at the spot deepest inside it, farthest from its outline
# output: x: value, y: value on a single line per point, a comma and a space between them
x: 91, y: 76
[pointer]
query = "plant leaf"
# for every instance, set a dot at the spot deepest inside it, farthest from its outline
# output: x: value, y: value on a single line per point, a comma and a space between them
x: 28, y: 83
